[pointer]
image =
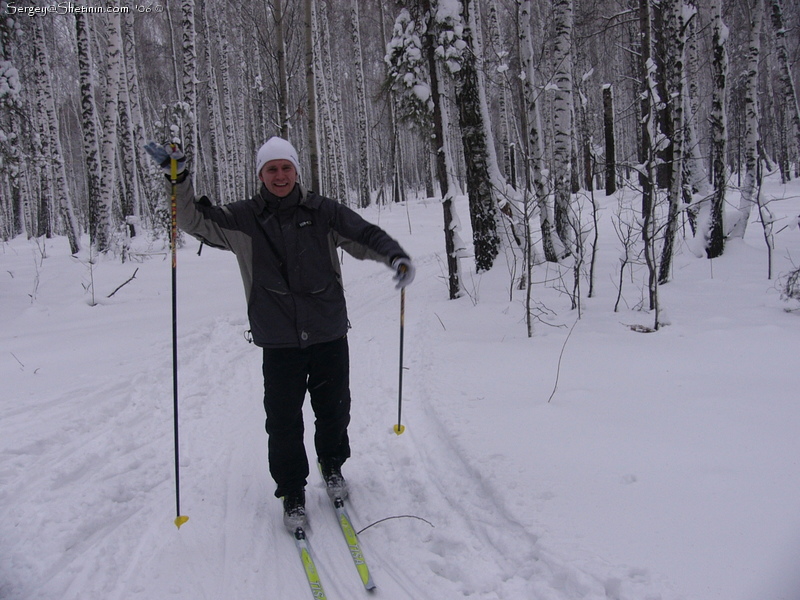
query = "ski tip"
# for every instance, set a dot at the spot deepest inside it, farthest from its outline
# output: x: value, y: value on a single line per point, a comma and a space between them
x: 180, y: 520
x: 398, y: 429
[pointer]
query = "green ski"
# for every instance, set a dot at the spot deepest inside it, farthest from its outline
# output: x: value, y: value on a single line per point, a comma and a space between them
x: 353, y: 544
x: 308, y: 564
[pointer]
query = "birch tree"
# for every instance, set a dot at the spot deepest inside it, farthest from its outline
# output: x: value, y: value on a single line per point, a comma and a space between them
x: 311, y: 96
x: 105, y: 202
x: 649, y: 101
x: 533, y: 129
x: 504, y: 102
x: 788, y: 90
x: 231, y: 167
x: 364, y: 171
x: 189, y: 81
x: 216, y: 139
x: 414, y: 76
x: 713, y: 230
x: 608, y: 137
x: 562, y: 122
x: 457, y: 45
x: 63, y: 198
x: 752, y: 115
x: 283, y: 78
x: 675, y: 31
x: 11, y: 104
x: 146, y: 172
x: 695, y: 178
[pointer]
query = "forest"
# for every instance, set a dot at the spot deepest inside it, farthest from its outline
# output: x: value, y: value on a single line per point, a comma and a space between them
x: 531, y: 109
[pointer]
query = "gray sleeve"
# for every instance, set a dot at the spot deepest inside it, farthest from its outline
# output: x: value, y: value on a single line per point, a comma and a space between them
x: 197, y: 223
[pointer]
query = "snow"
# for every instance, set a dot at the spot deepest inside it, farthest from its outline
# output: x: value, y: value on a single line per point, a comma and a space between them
x: 664, y: 466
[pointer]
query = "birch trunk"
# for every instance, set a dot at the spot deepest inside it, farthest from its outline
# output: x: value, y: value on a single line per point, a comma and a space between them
x: 283, y: 79
x: 311, y: 97
x: 146, y: 171
x: 608, y: 135
x: 364, y: 170
x: 189, y: 79
x: 231, y: 137
x: 482, y: 203
x: 714, y: 232
x: 91, y: 147
x: 649, y: 100
x: 216, y: 140
x: 752, y: 116
x: 108, y: 146
x: 788, y: 91
x: 443, y: 161
x: 533, y: 130
x: 62, y: 193
x: 675, y: 45
x: 562, y: 122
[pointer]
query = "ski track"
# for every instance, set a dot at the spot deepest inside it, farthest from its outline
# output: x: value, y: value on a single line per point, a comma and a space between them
x: 101, y: 461
x: 478, y: 547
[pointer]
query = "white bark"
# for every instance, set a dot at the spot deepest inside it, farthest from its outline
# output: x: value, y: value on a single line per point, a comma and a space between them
x: 364, y: 170
x: 752, y: 116
x: 713, y: 229
x: 108, y: 146
x: 63, y: 199
x: 562, y: 121
x: 534, y: 148
x: 189, y: 80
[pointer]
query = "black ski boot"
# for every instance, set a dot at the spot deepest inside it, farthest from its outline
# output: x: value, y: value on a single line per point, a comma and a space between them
x: 294, y: 510
x: 334, y: 482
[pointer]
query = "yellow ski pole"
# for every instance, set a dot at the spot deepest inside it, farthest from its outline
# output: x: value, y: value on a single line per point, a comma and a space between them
x: 398, y: 429
x: 179, y: 519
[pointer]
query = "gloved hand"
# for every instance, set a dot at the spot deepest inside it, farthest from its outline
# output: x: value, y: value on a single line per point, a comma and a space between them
x: 404, y: 272
x: 163, y: 155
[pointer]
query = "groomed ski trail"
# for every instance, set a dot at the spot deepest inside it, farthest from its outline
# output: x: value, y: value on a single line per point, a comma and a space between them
x: 94, y: 491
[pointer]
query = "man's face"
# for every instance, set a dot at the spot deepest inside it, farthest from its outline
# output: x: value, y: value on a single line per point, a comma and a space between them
x: 279, y: 176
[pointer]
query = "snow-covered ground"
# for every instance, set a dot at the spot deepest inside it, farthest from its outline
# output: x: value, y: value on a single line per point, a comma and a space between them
x: 665, y: 466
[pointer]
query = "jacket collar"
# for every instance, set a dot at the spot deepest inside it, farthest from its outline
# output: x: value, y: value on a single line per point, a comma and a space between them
x: 269, y: 201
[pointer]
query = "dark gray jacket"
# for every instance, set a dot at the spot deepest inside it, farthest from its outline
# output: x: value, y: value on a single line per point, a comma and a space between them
x: 286, y: 249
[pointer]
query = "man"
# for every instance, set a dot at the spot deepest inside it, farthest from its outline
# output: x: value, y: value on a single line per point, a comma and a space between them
x: 285, y: 240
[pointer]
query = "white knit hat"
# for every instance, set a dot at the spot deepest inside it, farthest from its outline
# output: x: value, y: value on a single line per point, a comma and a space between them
x: 276, y: 148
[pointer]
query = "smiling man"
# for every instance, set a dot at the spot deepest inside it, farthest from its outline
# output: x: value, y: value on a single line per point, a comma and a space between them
x: 285, y: 239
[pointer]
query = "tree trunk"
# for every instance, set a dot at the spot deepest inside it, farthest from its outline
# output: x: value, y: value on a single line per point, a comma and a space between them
x: 364, y: 170
x: 108, y: 146
x: 283, y: 78
x: 441, y: 147
x: 562, y: 123
x: 216, y: 140
x: 189, y: 83
x: 752, y: 116
x: 649, y: 100
x: 610, y: 148
x: 533, y: 130
x: 91, y: 147
x: 675, y: 46
x: 715, y: 245
x: 63, y: 199
x: 311, y: 98
x: 483, y: 210
x: 789, y: 91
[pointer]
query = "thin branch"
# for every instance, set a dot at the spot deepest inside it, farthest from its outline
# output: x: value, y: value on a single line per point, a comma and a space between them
x: 395, y: 517
x: 560, y: 356
x: 124, y: 284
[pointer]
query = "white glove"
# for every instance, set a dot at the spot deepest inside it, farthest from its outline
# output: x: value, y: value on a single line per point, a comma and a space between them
x: 404, y: 272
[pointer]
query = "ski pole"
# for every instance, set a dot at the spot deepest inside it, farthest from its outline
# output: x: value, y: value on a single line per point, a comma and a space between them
x: 398, y: 429
x: 179, y: 520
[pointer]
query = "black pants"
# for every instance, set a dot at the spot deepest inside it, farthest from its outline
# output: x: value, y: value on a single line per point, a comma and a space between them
x: 324, y: 371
